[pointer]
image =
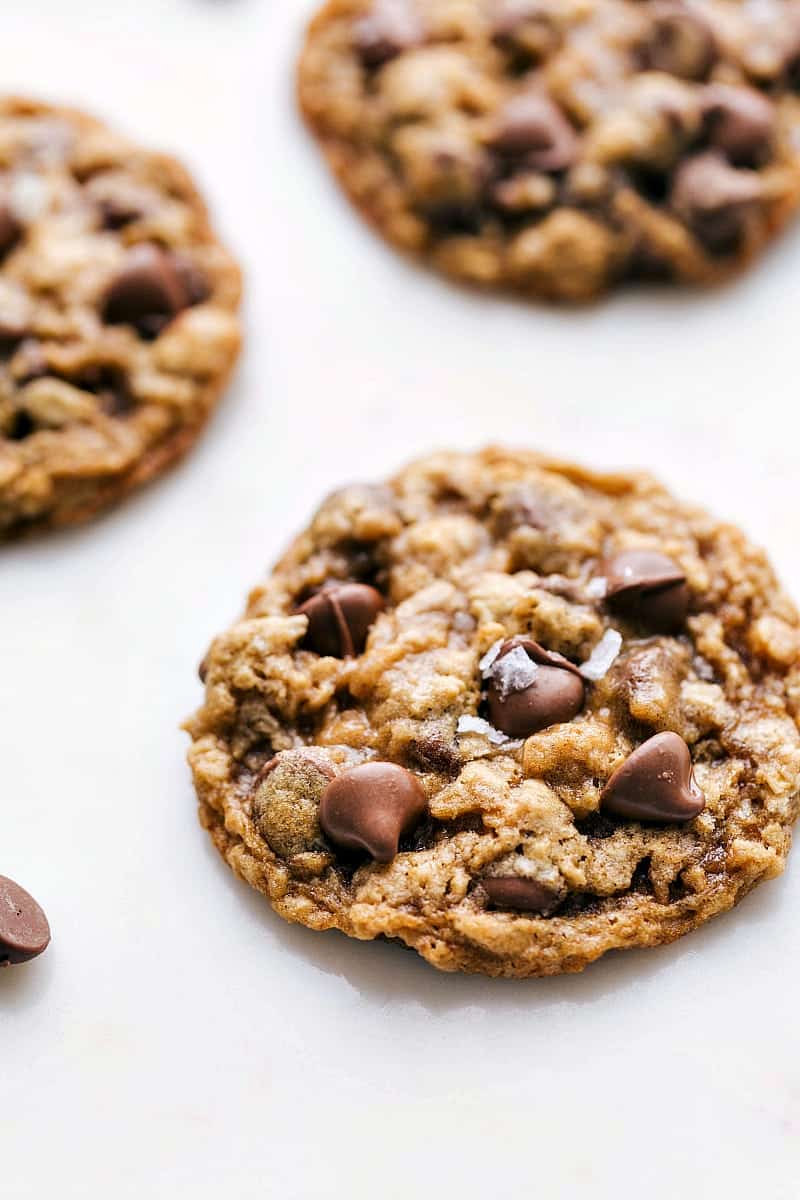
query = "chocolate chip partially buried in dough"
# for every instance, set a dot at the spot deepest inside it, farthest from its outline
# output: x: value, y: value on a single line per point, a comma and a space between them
x: 714, y: 198
x: 555, y: 694
x: 371, y: 807
x: 10, y: 229
x: 339, y: 618
x: 527, y: 895
x: 655, y: 783
x: 389, y: 28
x: 147, y: 292
x: 532, y: 127
x: 739, y: 121
x: 679, y: 41
x: 24, y: 931
x: 648, y: 587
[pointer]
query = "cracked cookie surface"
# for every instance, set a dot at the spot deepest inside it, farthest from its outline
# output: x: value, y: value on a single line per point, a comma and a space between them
x: 365, y: 787
x: 560, y: 147
x: 118, y: 325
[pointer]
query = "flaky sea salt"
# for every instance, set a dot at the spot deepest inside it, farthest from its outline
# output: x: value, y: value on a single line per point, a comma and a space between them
x: 596, y: 588
x: 513, y: 672
x: 602, y: 656
x: 467, y: 724
x: 491, y: 654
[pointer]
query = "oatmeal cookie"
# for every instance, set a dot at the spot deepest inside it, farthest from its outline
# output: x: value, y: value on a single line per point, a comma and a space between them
x: 118, y: 325
x: 560, y: 147
x: 509, y: 712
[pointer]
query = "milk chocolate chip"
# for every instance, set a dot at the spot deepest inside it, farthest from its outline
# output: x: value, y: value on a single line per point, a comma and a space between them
x: 147, y: 292
x: 10, y: 229
x: 339, y: 618
x: 679, y: 41
x: 512, y: 891
x: 740, y: 122
x: 531, y: 126
x: 714, y: 198
x: 646, y: 586
x: 24, y: 931
x: 389, y: 28
x: 530, y: 688
x: 371, y: 807
x: 655, y: 783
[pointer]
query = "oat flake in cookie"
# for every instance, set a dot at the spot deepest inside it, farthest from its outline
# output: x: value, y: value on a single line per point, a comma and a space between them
x: 118, y: 325
x: 559, y: 147
x: 650, y: 776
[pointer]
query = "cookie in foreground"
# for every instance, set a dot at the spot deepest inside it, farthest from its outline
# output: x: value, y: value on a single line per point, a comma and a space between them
x: 510, y: 712
x: 118, y: 325
x: 560, y: 147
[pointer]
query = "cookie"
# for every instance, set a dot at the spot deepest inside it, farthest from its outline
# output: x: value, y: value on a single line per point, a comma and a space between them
x: 118, y: 325
x: 561, y: 147
x: 509, y: 712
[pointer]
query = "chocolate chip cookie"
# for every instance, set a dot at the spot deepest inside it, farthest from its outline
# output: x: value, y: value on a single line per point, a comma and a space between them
x: 560, y: 147
x: 509, y: 712
x: 118, y: 325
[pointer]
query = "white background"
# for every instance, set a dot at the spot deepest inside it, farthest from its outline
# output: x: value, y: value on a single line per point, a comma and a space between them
x: 179, y: 1039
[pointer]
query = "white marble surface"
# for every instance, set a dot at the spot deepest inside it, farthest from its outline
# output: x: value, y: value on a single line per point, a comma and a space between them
x: 178, y: 1039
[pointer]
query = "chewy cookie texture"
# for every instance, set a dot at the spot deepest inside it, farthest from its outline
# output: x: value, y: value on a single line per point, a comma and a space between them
x: 509, y: 712
x: 118, y: 325
x: 559, y: 147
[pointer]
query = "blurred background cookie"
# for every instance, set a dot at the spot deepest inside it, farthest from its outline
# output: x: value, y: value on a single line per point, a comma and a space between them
x: 118, y: 316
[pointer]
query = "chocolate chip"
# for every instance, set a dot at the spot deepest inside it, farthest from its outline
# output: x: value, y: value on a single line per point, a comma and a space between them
x: 339, y: 618
x: 655, y: 783
x: 714, y: 198
x: 555, y: 694
x: 389, y: 28
x: 147, y: 292
x: 21, y: 427
x: 371, y: 807
x: 679, y: 41
x: 512, y: 891
x: 646, y: 586
x: 532, y: 126
x: 739, y: 121
x: 24, y: 931
x: 10, y: 229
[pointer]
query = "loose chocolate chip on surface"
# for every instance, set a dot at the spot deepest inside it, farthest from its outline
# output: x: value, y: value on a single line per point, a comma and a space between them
x: 10, y: 229
x: 24, y: 931
x: 679, y: 41
x: 739, y: 121
x: 371, y: 807
x: 655, y: 783
x: 714, y: 198
x: 532, y: 126
x: 525, y: 894
x: 389, y: 28
x: 646, y: 586
x: 523, y: 701
x: 339, y: 618
x: 147, y: 292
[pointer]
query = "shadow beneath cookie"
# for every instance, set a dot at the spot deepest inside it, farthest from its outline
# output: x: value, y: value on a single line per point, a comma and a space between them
x: 385, y: 971
x: 25, y: 984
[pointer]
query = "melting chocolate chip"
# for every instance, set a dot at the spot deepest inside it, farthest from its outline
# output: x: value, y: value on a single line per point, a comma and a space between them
x: 371, y: 808
x: 24, y: 931
x: 655, y: 783
x: 147, y: 292
x: 646, y: 586
x: 511, y: 891
x: 532, y: 126
x: 555, y: 694
x: 10, y: 229
x: 679, y: 41
x: 714, y: 198
x: 740, y: 122
x: 389, y: 28
x: 340, y: 617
